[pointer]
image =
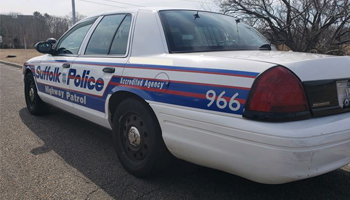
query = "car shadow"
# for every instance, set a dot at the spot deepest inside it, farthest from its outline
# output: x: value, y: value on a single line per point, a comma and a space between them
x: 88, y: 148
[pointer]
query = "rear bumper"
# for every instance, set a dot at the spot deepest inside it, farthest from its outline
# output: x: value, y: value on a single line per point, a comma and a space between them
x: 271, y: 153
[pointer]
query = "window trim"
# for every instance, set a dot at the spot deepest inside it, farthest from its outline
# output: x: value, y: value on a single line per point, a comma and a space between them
x: 68, y: 31
x: 131, y: 30
x: 88, y: 35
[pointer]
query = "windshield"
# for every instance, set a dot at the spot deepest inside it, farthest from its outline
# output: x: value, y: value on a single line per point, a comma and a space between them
x: 193, y: 31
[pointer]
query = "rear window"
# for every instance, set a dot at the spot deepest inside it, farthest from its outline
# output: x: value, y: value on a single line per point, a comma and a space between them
x: 193, y: 31
x: 119, y: 44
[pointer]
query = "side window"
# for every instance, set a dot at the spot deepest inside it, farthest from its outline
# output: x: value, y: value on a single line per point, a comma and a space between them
x: 70, y: 43
x: 120, y: 40
x: 101, y: 39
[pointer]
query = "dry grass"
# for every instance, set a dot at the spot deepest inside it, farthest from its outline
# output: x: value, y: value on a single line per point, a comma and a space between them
x: 22, y: 55
x: 347, y: 168
x: 347, y: 50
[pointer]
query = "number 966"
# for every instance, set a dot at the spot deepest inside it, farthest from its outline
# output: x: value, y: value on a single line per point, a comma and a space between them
x: 221, y: 102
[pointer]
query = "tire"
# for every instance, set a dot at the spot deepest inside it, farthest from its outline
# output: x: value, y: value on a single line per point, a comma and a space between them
x: 138, y: 139
x: 34, y: 104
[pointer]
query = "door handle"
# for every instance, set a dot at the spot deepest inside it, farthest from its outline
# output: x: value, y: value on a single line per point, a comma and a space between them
x: 108, y: 70
x: 66, y: 65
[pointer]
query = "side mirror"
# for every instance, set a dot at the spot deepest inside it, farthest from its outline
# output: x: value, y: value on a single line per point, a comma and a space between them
x: 43, y: 47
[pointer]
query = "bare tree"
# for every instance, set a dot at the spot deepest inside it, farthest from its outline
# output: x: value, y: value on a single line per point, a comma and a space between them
x: 208, y: 5
x: 303, y: 25
x: 18, y: 29
x: 78, y: 17
x: 57, y: 25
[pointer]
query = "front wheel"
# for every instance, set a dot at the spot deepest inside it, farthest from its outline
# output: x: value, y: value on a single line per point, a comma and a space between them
x: 34, y: 104
x: 138, y: 139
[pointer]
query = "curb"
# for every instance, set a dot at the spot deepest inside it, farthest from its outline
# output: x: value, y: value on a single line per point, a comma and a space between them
x: 10, y: 63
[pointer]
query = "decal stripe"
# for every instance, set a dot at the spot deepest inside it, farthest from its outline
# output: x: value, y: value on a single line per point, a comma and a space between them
x: 177, y: 92
x: 70, y: 90
x: 244, y: 74
x: 174, y: 92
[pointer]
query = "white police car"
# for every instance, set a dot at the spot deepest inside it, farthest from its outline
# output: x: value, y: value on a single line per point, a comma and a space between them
x: 202, y: 86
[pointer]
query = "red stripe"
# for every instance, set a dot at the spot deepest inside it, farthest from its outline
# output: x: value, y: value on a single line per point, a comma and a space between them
x: 179, y: 93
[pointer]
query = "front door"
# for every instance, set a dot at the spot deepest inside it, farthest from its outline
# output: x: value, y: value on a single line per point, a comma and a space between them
x: 103, y: 58
x: 52, y: 72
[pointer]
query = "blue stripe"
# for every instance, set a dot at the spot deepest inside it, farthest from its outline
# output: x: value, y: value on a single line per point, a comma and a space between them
x: 93, y: 102
x: 191, y: 102
x: 98, y: 103
x: 202, y: 89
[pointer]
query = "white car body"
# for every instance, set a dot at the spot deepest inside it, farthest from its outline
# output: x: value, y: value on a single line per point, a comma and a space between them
x: 175, y: 86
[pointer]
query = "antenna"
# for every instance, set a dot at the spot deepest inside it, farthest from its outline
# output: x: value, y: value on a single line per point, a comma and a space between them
x: 196, y: 16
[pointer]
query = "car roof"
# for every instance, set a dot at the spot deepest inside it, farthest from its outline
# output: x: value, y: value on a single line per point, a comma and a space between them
x: 135, y: 10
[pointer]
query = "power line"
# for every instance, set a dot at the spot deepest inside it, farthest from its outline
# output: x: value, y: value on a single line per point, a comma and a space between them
x: 101, y: 3
x: 193, y: 1
x: 205, y: 2
x: 124, y: 3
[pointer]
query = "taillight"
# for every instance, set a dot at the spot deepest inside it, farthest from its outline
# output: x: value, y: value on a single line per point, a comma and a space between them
x: 277, y: 95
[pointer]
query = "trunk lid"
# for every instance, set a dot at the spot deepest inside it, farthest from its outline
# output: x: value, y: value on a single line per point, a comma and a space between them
x: 326, y: 79
x: 306, y: 66
x: 326, y: 82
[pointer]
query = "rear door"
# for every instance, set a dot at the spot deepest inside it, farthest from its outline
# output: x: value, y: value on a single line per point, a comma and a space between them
x: 102, y: 58
x: 53, y: 69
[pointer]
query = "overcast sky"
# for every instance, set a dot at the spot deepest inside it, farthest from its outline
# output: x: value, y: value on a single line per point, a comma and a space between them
x: 90, y: 7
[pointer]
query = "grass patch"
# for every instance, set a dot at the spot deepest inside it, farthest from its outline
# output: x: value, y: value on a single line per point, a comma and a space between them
x: 347, y: 168
x: 347, y: 50
x: 22, y: 55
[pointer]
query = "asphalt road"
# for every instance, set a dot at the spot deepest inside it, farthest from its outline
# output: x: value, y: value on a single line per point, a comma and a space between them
x: 60, y: 156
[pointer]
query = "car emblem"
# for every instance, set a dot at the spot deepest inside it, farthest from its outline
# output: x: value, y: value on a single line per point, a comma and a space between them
x: 320, y: 104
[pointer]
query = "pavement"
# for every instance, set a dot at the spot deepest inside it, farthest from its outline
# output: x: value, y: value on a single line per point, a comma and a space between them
x: 60, y: 156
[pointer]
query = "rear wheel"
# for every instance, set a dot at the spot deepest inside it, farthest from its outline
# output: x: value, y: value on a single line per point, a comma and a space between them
x: 138, y: 140
x: 34, y: 104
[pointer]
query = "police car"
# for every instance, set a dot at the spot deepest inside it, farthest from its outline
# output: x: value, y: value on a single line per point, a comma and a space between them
x: 201, y: 86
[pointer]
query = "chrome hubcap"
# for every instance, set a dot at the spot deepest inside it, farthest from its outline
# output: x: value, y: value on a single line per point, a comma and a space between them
x: 134, y: 136
x: 31, y: 94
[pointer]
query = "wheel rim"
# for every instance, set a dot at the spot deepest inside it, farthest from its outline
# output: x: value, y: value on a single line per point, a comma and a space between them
x: 134, y: 137
x: 31, y: 93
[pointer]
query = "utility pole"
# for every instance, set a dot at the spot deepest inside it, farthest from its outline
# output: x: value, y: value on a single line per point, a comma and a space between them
x: 73, y: 11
